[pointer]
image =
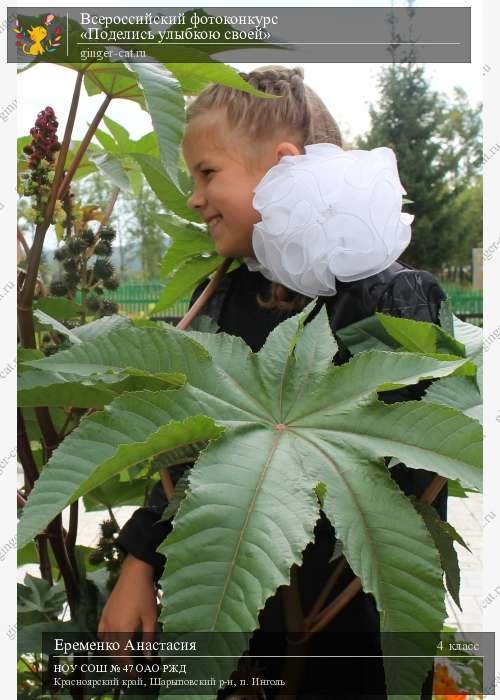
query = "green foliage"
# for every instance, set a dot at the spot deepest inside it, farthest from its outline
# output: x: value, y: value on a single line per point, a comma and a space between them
x: 444, y: 535
x: 270, y: 429
x: 165, y: 103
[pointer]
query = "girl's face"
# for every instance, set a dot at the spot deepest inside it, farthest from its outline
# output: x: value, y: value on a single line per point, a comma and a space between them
x: 224, y: 178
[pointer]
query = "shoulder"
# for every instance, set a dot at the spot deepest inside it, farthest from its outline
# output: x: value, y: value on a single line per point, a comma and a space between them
x: 410, y: 293
x: 398, y: 290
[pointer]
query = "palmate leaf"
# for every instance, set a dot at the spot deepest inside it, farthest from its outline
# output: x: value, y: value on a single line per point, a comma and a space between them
x: 188, y: 240
x: 58, y: 307
x: 163, y: 187
x: 108, y: 441
x: 193, y: 77
x: 459, y: 392
x: 384, y: 332
x: 113, y: 79
x: 165, y: 104
x: 92, y: 373
x: 443, y: 535
x: 292, y: 421
x: 358, y: 490
x: 113, y: 169
x: 183, y: 281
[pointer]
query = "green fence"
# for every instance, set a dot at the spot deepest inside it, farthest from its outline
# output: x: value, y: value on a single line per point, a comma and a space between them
x: 139, y: 298
x: 467, y: 303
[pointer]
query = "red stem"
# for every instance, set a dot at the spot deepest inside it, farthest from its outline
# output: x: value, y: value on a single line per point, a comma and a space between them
x: 83, y: 147
x: 339, y: 603
x: 204, y: 297
x: 31, y: 475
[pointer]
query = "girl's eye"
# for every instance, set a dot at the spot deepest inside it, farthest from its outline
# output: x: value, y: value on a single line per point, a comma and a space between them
x: 207, y: 171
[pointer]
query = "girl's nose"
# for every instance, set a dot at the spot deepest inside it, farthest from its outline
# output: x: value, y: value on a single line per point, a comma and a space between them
x: 196, y: 200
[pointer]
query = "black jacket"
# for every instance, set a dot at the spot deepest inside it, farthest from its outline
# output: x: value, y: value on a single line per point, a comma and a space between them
x: 399, y: 291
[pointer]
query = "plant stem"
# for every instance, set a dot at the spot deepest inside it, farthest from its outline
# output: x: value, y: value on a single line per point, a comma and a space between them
x: 204, y: 297
x: 109, y: 208
x: 30, y: 475
x: 295, y: 625
x: 70, y: 540
x: 167, y: 483
x: 49, y: 433
x: 322, y: 619
x: 336, y: 606
x: 72, y: 528
x: 432, y: 491
x: 321, y: 600
x: 21, y: 501
x: 83, y: 147
x: 43, y: 555
x: 25, y: 453
x: 56, y: 536
x: 113, y: 518
x: 62, y: 433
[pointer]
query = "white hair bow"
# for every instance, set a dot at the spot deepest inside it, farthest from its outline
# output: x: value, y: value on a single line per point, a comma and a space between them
x: 326, y: 215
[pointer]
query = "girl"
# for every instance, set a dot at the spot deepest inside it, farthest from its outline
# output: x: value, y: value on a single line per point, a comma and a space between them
x: 236, y: 144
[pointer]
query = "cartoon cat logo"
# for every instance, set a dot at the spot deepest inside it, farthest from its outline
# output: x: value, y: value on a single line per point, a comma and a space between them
x: 37, y: 40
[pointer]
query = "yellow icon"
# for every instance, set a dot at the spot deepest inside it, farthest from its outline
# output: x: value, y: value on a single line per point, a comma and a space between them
x: 37, y: 35
x: 43, y: 37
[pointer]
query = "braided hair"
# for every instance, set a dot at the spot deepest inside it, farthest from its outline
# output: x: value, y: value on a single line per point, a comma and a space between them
x: 299, y: 116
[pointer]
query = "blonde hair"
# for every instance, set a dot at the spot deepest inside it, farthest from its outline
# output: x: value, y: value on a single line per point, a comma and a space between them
x: 300, y: 114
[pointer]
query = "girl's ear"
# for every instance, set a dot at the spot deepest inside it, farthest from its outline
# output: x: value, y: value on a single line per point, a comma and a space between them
x: 286, y: 148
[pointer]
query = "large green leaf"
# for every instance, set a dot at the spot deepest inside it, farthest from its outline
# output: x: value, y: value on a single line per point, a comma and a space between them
x: 459, y: 392
x: 58, y: 307
x: 115, y: 80
x: 110, y: 362
x: 120, y: 134
x: 101, y: 326
x: 383, y: 332
x: 107, y: 440
x: 47, y: 388
x: 184, y: 280
x: 29, y: 637
x: 292, y: 421
x: 189, y: 240
x: 163, y: 187
x: 165, y: 103
x: 444, y: 535
x: 193, y: 77
x: 107, y: 142
x: 36, y: 595
x: 417, y: 336
x: 113, y: 169
x: 469, y: 335
x: 115, y: 493
x: 46, y: 321
x: 154, y: 351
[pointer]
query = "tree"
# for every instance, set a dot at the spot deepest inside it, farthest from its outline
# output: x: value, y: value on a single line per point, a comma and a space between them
x: 150, y: 236
x: 437, y: 145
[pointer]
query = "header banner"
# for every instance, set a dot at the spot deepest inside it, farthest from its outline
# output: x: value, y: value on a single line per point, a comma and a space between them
x: 239, y: 34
